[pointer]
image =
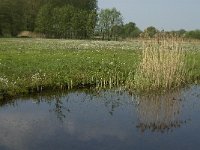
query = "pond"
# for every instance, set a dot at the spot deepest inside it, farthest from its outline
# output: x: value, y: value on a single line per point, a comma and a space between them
x: 102, y: 120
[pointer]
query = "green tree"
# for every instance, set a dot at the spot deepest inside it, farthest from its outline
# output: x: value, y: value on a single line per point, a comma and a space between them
x: 150, y: 31
x: 195, y: 34
x: 117, y: 31
x: 108, y: 18
x: 62, y: 21
x: 31, y: 9
x: 181, y: 32
x: 11, y: 17
x: 44, y: 21
x: 79, y: 23
x: 131, y: 30
x: 65, y: 22
x: 91, y: 23
x: 47, y: 16
x: 116, y: 21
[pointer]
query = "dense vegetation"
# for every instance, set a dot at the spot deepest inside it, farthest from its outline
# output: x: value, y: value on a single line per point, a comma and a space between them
x: 48, y: 16
x: 193, y: 34
x: 72, y: 19
x: 65, y: 22
x: 28, y: 65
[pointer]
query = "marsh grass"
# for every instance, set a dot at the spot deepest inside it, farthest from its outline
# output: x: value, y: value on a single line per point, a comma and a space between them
x: 35, y: 65
x: 162, y: 66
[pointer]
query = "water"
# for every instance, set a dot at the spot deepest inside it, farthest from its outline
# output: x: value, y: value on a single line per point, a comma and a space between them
x: 106, y: 120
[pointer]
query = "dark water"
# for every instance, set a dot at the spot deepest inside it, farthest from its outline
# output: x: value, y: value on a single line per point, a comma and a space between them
x: 106, y: 120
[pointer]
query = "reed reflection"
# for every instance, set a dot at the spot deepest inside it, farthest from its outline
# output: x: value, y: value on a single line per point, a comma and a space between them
x: 159, y: 113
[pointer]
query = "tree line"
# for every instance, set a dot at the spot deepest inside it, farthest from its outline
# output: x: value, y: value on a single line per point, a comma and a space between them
x: 151, y: 32
x: 54, y: 18
x: 74, y: 19
x: 18, y: 15
x: 65, y: 21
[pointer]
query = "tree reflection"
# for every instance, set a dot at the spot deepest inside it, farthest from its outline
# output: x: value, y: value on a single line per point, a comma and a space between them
x: 59, y: 109
x: 159, y: 113
x: 112, y: 99
x: 4, y: 102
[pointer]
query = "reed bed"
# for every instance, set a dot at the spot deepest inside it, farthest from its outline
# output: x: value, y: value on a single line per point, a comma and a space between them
x: 162, y: 66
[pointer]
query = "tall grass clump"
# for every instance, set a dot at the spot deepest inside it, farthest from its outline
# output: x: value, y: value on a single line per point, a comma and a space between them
x: 162, y: 65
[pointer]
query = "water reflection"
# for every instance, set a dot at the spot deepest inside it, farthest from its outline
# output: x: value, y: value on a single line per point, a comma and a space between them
x: 101, y: 120
x: 60, y: 102
x: 156, y: 113
x: 160, y: 113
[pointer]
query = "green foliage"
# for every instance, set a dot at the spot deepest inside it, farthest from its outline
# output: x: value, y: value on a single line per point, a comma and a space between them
x: 181, y: 32
x: 107, y: 21
x: 88, y: 5
x: 43, y: 24
x: 79, y: 23
x: 20, y: 15
x: 193, y: 34
x: 61, y: 21
x: 91, y: 23
x: 65, y: 22
x: 150, y: 31
x: 31, y: 9
x: 117, y: 31
x: 11, y: 20
x: 131, y: 30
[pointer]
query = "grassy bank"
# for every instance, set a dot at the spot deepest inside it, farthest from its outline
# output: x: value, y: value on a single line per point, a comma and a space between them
x: 29, y: 65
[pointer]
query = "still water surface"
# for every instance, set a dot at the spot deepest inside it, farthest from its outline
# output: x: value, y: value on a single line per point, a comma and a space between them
x: 106, y: 120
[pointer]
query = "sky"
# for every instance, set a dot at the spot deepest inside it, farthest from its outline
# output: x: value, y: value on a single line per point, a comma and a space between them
x: 162, y: 14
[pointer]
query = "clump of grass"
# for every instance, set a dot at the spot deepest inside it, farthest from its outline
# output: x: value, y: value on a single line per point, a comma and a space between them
x: 162, y: 65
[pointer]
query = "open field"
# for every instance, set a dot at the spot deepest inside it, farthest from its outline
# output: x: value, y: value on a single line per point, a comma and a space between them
x: 29, y: 65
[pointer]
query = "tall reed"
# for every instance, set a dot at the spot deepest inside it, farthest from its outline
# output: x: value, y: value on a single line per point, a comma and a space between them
x: 162, y: 65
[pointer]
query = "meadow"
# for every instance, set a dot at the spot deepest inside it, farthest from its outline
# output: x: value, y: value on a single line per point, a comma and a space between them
x: 33, y: 65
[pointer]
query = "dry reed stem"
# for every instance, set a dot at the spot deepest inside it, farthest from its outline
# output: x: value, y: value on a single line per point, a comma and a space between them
x: 162, y: 66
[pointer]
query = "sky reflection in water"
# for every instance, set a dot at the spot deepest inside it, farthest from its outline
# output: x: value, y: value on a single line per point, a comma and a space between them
x: 102, y: 120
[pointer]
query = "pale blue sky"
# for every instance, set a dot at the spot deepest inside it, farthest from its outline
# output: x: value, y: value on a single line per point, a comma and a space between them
x: 163, y: 14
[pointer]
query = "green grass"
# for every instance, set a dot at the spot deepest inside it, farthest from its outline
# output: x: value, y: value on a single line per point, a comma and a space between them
x: 30, y: 65
x: 193, y: 63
